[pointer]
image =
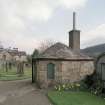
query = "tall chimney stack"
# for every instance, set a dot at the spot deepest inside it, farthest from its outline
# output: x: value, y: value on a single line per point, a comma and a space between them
x: 74, y: 36
x: 74, y: 20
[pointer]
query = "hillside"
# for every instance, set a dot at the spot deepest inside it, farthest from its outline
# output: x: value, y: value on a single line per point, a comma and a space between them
x: 94, y: 50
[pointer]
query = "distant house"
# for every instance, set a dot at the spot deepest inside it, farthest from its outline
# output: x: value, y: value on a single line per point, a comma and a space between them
x: 62, y: 64
x: 5, y: 55
x: 12, y: 56
x: 4, y: 58
x: 21, y: 56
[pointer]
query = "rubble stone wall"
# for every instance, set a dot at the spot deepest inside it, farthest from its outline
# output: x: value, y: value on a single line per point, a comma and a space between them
x: 76, y: 71
x: 65, y: 71
x: 42, y: 73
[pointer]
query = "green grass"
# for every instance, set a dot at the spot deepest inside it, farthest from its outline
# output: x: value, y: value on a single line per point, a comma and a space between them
x: 12, y: 75
x: 74, y: 98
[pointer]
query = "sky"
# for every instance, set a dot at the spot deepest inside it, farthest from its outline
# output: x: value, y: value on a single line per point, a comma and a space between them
x: 24, y: 24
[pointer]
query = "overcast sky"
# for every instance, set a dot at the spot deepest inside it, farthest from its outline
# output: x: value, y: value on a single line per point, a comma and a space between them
x: 26, y: 23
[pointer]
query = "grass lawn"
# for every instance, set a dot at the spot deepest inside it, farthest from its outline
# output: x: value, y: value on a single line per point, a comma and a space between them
x: 74, y: 98
x: 11, y: 74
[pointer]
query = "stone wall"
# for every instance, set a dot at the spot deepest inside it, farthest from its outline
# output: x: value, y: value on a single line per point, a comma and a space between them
x: 42, y: 73
x: 76, y: 70
x: 65, y: 71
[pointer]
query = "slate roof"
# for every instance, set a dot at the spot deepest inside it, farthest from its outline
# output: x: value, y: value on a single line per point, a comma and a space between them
x: 62, y: 51
x: 13, y: 52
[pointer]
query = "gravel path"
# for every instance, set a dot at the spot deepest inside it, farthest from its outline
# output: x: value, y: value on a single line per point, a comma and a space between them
x: 21, y: 92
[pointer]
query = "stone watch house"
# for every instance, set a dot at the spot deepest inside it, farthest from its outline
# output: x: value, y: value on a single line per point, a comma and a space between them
x: 61, y: 63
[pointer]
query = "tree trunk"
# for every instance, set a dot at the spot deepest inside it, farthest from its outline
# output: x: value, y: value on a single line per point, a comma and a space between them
x: 20, y: 68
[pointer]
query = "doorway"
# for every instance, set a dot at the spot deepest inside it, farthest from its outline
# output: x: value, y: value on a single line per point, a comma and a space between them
x: 50, y: 71
x: 103, y: 71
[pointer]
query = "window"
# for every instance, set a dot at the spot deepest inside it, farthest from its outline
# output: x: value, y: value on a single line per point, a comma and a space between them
x: 4, y: 57
x: 50, y: 71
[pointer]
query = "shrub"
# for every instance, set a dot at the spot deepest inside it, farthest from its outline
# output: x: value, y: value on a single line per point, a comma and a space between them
x: 94, y: 84
x: 97, y: 87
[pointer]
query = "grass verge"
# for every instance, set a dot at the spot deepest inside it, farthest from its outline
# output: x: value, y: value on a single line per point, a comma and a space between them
x: 12, y: 75
x: 74, y: 98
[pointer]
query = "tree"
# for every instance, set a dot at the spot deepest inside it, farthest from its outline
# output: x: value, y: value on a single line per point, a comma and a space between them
x: 29, y: 59
x: 20, y: 65
x: 20, y: 68
x: 45, y: 44
x: 35, y: 53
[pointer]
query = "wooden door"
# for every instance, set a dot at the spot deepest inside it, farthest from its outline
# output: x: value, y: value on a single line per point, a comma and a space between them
x: 50, y: 71
x: 103, y: 71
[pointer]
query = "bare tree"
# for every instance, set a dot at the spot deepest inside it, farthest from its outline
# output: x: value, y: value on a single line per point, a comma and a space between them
x: 20, y: 65
x: 20, y: 68
x: 45, y: 44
